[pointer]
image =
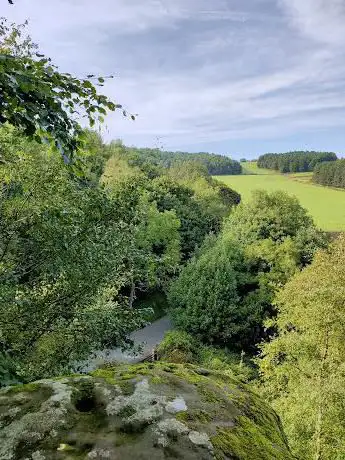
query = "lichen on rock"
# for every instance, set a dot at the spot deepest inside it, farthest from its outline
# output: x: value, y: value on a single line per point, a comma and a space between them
x: 148, y: 411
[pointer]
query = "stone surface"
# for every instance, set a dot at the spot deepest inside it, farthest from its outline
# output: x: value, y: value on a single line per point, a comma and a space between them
x: 147, y: 411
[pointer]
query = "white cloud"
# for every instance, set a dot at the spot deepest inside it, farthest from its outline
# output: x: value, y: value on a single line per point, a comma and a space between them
x: 322, y: 20
x: 195, y: 74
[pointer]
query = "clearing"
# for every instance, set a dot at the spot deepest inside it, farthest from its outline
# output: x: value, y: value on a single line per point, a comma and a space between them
x: 326, y: 205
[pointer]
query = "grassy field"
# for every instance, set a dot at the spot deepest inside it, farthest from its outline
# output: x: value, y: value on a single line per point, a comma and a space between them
x: 326, y: 205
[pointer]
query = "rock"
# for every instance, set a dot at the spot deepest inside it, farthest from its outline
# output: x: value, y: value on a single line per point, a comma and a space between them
x: 147, y: 412
x: 176, y: 405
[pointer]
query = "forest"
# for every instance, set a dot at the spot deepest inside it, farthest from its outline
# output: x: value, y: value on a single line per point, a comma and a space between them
x: 298, y: 161
x: 214, y: 164
x: 330, y: 173
x: 88, y: 229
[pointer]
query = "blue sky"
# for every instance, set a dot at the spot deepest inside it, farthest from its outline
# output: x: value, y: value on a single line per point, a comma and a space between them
x: 240, y: 77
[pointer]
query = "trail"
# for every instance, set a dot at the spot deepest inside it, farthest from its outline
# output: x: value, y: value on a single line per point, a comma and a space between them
x: 147, y: 337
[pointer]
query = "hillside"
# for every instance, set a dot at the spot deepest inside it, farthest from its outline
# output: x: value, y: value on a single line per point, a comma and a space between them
x: 326, y: 205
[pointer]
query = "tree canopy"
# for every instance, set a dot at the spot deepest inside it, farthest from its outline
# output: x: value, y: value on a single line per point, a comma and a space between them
x: 298, y: 161
x: 330, y: 173
x: 303, y: 366
x: 225, y: 292
x: 215, y: 164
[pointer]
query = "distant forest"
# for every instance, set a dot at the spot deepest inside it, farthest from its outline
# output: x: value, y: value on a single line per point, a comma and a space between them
x: 330, y: 173
x: 215, y: 164
x: 299, y: 161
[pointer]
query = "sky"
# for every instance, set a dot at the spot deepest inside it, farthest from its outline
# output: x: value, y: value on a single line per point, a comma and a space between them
x: 236, y: 77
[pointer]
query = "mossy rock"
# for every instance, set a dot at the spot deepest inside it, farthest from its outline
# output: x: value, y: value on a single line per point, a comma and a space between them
x: 147, y: 411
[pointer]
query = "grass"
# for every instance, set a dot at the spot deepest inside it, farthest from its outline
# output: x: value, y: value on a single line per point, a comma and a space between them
x: 326, y: 205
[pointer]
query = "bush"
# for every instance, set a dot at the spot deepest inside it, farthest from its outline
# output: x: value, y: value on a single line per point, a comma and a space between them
x: 179, y: 347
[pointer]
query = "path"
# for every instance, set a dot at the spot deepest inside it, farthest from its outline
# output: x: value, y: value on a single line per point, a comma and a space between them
x: 147, y: 337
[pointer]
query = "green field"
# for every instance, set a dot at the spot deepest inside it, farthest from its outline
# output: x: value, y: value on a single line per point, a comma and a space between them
x: 326, y: 205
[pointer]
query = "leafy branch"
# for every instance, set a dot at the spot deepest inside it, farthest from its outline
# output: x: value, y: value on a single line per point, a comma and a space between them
x: 43, y: 102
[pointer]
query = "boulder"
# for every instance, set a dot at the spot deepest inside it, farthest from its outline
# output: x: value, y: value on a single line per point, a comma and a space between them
x: 145, y: 411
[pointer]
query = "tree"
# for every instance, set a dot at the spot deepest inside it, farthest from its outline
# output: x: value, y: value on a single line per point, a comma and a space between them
x: 302, y: 368
x: 225, y: 293
x: 294, y: 161
x: 199, y: 201
x: 215, y: 297
x: 64, y: 252
x: 274, y: 216
x: 214, y: 164
x: 41, y: 101
x: 278, y: 237
x: 330, y: 173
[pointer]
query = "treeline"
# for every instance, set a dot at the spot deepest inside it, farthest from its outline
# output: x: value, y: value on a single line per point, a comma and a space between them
x: 81, y: 244
x: 330, y: 173
x: 214, y: 164
x: 297, y: 161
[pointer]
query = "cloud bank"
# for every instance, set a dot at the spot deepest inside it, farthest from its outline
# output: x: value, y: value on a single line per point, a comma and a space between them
x: 230, y: 77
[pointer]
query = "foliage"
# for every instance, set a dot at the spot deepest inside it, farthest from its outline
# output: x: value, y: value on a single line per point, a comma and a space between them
x: 9, y: 372
x: 214, y: 164
x: 294, y: 161
x: 180, y: 347
x: 40, y: 100
x: 158, y: 242
x: 224, y: 294
x: 64, y: 255
x: 200, y: 202
x: 268, y: 215
x: 214, y: 297
x: 215, y: 199
x: 330, y: 173
x: 303, y: 366
x: 275, y: 217
x: 195, y: 221
x: 324, y: 204
x: 92, y: 155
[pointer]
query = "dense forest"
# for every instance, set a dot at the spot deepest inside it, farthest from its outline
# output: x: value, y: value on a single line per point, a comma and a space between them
x: 214, y: 164
x: 294, y: 161
x: 330, y: 173
x: 88, y: 229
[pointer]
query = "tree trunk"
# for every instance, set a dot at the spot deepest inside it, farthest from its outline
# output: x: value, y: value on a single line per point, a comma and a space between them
x: 132, y: 295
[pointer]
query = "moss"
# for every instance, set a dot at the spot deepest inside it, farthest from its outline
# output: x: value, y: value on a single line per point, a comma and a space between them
x: 247, y: 441
x: 156, y: 380
x: 197, y: 415
x: 239, y: 424
x: 106, y: 374
x: 208, y: 394
x: 24, y: 388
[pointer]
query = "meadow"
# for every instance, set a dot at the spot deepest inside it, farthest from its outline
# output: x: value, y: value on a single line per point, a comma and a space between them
x: 326, y: 205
